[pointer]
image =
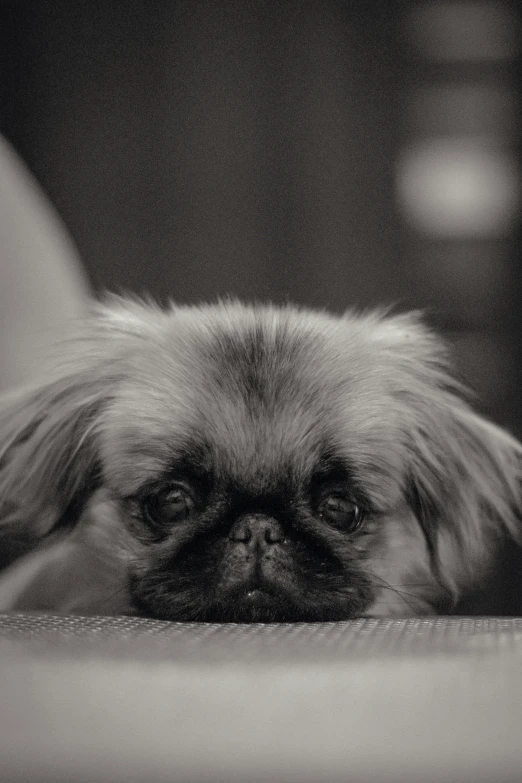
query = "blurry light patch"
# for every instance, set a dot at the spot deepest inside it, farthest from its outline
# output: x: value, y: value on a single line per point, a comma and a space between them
x: 458, y: 189
x: 464, y: 109
x: 466, y: 31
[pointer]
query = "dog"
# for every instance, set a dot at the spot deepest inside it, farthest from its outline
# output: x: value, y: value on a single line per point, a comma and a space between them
x: 235, y: 462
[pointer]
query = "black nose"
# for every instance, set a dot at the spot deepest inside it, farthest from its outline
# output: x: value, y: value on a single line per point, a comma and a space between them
x: 256, y: 530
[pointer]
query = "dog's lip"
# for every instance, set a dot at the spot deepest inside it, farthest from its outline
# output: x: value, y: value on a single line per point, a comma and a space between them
x: 257, y: 594
x: 257, y: 591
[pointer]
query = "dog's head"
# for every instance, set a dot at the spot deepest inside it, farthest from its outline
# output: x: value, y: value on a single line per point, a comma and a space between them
x: 238, y: 463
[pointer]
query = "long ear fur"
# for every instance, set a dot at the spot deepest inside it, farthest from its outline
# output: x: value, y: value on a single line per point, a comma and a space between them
x: 48, y: 433
x: 469, y: 484
x: 465, y: 472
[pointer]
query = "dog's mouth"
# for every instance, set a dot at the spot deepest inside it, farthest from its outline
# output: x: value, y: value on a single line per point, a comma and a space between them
x: 254, y: 595
x: 257, y: 597
x: 261, y: 593
x: 255, y: 600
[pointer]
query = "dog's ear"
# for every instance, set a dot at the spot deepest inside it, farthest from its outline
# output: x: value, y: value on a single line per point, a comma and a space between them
x: 467, y: 484
x: 465, y: 472
x: 48, y: 433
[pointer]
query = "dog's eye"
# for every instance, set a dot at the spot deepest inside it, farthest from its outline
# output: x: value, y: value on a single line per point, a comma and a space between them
x: 338, y: 509
x: 169, y: 506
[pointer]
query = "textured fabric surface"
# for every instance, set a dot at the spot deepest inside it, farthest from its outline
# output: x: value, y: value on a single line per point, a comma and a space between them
x: 129, y: 699
x: 143, y: 639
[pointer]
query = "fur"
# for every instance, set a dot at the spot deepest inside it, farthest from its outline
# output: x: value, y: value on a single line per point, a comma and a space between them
x: 259, y: 410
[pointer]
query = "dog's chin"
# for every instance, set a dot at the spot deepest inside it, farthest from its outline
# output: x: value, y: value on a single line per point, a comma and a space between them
x: 254, y: 601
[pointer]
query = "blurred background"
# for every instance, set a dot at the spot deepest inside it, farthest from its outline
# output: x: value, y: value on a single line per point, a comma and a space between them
x: 330, y: 153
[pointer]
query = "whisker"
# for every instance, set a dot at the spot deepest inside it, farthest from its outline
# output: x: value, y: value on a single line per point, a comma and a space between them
x: 113, y: 595
x: 401, y: 593
x: 409, y: 584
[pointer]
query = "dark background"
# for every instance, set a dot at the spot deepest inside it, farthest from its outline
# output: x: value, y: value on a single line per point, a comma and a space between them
x: 197, y: 149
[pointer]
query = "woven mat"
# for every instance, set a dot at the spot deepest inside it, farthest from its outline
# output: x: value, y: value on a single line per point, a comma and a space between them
x: 127, y: 699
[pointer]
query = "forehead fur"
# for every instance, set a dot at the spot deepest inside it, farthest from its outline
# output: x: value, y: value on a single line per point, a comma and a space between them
x: 264, y: 386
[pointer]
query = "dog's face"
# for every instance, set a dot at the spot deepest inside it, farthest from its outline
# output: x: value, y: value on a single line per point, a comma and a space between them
x: 265, y: 464
x: 260, y: 464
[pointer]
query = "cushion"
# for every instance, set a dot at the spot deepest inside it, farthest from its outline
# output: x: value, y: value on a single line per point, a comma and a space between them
x: 130, y: 699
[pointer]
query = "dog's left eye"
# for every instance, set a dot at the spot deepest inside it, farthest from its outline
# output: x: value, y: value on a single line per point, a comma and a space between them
x: 169, y: 506
x: 338, y: 509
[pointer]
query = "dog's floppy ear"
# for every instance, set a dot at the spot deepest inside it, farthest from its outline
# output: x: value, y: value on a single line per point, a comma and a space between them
x: 48, y: 433
x: 465, y: 480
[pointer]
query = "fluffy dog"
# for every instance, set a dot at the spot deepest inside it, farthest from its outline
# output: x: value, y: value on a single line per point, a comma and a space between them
x: 243, y: 463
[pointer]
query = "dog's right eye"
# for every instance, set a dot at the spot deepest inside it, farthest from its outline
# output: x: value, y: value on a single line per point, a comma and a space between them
x: 169, y: 506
